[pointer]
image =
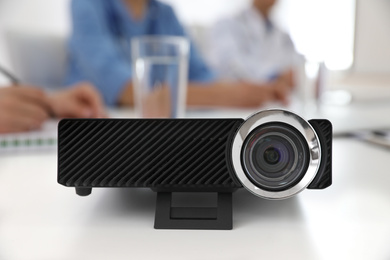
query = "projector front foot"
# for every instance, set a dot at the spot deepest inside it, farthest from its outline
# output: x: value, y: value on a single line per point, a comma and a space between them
x: 83, y: 191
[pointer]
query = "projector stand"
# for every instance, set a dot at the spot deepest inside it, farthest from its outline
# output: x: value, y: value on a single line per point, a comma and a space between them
x: 168, y: 217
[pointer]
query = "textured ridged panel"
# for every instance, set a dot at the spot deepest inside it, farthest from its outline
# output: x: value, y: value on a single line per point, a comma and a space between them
x: 156, y: 153
x: 324, y: 131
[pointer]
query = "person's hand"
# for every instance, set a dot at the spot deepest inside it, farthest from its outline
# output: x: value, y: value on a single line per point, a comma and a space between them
x: 22, y: 108
x: 230, y: 94
x: 282, y: 91
x: 236, y: 94
x: 249, y: 95
x: 287, y: 78
x: 157, y: 104
x: 126, y: 98
x: 80, y: 101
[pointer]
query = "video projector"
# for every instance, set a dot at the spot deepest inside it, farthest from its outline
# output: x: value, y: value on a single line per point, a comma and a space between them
x: 274, y: 154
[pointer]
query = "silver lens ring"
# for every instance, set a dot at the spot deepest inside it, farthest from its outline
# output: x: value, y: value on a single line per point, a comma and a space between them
x: 277, y: 116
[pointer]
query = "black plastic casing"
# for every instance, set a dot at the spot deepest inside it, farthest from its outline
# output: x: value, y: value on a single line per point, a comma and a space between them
x: 162, y: 154
x: 324, y: 131
x: 169, y: 155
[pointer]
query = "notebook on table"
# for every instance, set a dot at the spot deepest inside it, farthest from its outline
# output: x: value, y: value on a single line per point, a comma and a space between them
x: 42, y: 139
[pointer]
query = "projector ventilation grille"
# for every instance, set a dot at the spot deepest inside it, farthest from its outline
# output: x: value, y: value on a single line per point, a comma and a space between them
x: 156, y: 153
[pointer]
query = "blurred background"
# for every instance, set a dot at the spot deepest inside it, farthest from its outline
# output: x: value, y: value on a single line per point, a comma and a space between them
x: 351, y: 37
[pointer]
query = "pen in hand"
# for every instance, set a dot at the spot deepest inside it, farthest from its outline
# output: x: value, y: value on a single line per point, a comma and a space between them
x: 14, y: 80
x: 16, y: 83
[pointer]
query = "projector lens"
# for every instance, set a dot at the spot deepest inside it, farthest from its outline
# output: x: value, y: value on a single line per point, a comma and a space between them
x: 272, y: 155
x: 275, y: 156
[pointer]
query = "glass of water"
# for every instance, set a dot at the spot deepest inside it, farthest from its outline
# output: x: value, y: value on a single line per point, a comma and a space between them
x: 160, y: 69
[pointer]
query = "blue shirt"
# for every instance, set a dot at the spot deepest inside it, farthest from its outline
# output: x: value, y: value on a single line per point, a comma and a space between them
x: 97, y: 52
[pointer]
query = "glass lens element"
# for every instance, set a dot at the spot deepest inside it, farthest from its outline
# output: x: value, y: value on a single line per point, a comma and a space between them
x: 275, y: 156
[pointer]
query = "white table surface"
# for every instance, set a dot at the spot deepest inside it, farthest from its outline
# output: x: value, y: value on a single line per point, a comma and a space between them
x: 40, y: 219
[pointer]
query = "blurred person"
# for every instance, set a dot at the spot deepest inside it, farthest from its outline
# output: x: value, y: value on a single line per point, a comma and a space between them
x: 250, y: 47
x: 99, y: 53
x: 24, y: 108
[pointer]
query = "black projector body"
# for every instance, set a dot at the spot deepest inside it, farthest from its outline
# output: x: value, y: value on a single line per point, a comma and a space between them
x: 274, y: 154
x: 163, y: 154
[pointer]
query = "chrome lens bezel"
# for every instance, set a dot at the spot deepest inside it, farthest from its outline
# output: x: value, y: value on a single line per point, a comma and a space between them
x: 273, y: 116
